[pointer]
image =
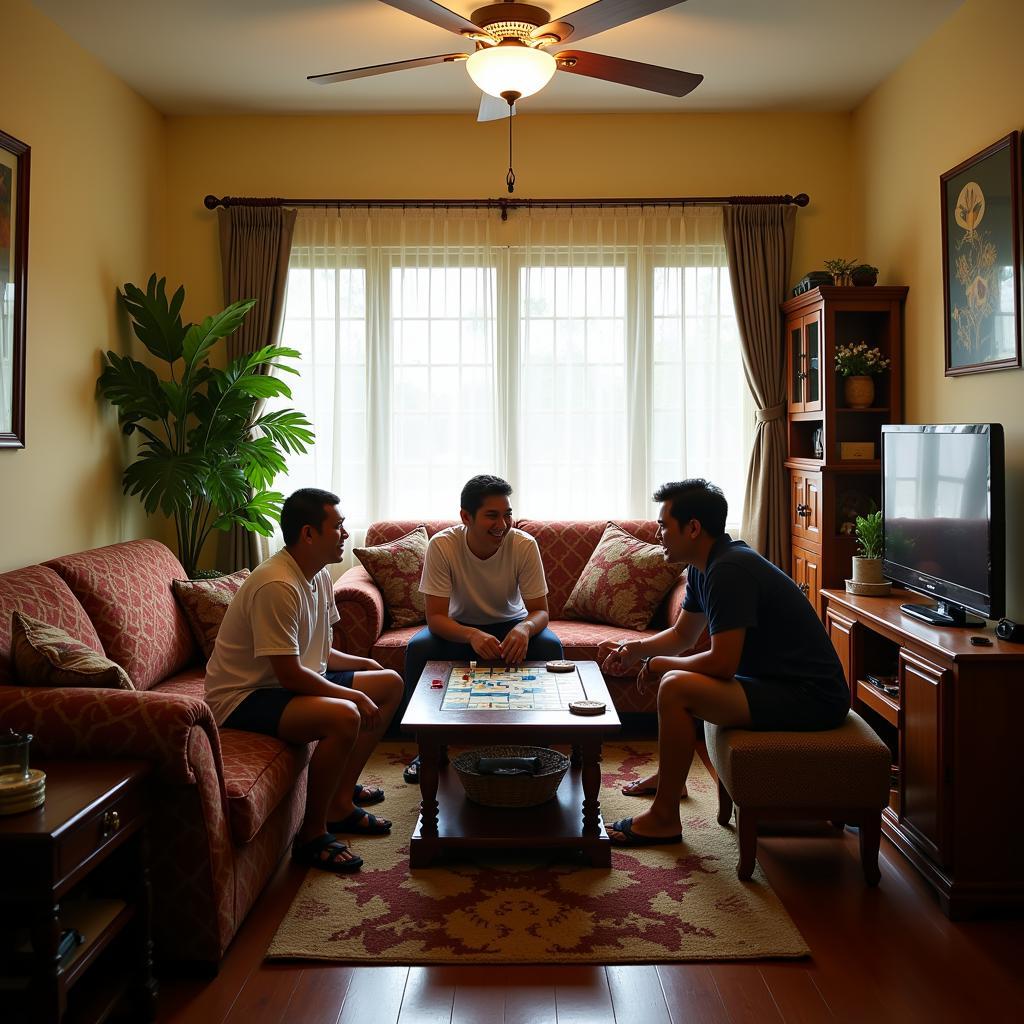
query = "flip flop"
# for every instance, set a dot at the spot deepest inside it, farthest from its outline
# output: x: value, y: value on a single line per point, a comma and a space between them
x: 353, y: 824
x: 365, y: 796
x: 311, y: 853
x: 624, y: 826
x: 634, y: 789
x: 412, y: 771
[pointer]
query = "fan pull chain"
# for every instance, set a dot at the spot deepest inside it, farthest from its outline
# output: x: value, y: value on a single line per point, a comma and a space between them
x: 510, y: 178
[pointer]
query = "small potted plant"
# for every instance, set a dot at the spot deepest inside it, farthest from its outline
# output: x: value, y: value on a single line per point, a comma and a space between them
x: 864, y: 275
x: 840, y: 270
x: 859, y: 364
x: 867, y: 563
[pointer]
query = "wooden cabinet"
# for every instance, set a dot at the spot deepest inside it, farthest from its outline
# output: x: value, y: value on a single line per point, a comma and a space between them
x: 78, y: 862
x: 952, y: 722
x: 829, y: 488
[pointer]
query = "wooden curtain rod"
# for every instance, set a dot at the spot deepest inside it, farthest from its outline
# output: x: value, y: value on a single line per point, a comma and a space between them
x: 212, y: 202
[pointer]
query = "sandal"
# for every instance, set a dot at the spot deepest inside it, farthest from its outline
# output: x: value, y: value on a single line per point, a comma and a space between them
x: 323, y: 852
x: 412, y: 771
x: 636, y: 789
x: 360, y: 823
x: 365, y: 796
x: 624, y: 826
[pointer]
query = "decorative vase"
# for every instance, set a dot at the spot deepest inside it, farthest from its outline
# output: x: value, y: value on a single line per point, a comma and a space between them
x: 867, y: 570
x: 859, y: 391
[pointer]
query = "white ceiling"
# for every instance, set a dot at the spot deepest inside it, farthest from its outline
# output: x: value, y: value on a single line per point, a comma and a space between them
x: 251, y: 56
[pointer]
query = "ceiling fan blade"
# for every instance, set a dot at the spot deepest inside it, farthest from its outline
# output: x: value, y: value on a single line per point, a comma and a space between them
x: 494, y: 108
x: 435, y: 14
x: 383, y: 69
x: 628, y: 72
x: 597, y: 17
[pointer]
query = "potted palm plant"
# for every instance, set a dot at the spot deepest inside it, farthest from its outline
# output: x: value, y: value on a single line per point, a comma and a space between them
x: 208, y: 454
x: 867, y: 563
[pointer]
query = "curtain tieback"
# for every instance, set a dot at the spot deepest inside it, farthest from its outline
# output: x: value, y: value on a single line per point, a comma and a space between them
x: 773, y: 412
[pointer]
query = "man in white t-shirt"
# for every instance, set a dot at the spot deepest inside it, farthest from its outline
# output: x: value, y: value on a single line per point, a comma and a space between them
x: 486, y: 595
x: 273, y: 671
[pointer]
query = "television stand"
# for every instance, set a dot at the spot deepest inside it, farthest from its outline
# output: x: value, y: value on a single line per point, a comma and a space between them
x: 943, y: 614
x: 952, y: 719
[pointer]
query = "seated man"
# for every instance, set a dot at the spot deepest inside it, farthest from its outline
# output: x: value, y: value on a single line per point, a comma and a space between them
x: 273, y: 671
x: 486, y: 595
x: 771, y: 664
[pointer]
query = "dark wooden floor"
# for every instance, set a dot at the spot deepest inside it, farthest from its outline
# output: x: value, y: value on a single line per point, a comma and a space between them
x: 878, y: 955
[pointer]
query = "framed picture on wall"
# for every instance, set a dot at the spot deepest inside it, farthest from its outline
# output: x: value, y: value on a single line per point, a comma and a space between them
x: 981, y: 272
x: 14, y: 168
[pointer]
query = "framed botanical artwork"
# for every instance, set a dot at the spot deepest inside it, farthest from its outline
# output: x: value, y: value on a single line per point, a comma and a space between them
x: 14, y: 169
x: 981, y: 271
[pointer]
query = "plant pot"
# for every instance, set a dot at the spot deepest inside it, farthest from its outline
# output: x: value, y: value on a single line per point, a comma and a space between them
x: 859, y: 391
x: 867, y: 570
x: 864, y: 279
x: 841, y: 279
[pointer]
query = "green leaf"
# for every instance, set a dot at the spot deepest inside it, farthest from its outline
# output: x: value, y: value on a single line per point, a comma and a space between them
x: 260, y: 460
x: 132, y: 388
x: 155, y: 321
x: 202, y: 337
x: 289, y: 429
x: 164, y: 479
x: 261, y: 385
x: 258, y: 515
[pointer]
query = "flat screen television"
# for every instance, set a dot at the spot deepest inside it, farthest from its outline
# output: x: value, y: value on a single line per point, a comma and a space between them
x: 944, y: 519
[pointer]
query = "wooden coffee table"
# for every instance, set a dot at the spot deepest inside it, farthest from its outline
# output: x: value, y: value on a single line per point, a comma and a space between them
x: 449, y: 822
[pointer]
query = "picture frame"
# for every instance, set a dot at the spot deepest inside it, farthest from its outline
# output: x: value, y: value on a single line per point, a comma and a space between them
x: 15, y: 165
x: 981, y: 268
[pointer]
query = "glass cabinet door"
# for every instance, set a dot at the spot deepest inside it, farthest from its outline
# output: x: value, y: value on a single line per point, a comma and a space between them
x: 812, y: 362
x: 796, y: 365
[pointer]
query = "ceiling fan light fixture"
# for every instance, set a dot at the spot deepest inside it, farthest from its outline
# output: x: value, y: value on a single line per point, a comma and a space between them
x: 511, y: 67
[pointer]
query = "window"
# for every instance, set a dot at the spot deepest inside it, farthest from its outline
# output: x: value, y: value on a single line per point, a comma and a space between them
x: 586, y: 355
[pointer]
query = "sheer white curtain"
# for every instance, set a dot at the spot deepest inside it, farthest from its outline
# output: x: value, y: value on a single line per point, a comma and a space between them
x: 587, y: 355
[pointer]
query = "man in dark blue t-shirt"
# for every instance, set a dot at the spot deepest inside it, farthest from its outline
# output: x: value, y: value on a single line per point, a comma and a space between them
x: 771, y: 664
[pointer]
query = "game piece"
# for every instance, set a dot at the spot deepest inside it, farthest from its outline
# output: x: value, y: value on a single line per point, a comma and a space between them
x: 586, y: 707
x: 560, y: 666
x: 437, y: 684
x: 472, y: 666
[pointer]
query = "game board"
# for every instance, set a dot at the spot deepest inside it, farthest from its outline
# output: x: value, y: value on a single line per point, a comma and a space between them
x: 510, y: 689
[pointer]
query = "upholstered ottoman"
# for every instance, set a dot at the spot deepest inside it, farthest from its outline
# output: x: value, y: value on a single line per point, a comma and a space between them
x: 841, y: 775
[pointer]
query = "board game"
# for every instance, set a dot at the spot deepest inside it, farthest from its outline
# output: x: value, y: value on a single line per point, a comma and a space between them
x: 510, y: 689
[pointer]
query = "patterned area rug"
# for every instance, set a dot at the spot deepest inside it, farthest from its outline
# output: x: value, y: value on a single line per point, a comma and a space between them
x: 660, y: 904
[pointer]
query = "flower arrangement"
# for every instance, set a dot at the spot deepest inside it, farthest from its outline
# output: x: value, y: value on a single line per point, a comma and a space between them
x: 857, y: 360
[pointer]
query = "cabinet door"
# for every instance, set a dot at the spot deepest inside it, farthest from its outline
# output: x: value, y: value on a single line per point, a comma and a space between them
x: 807, y: 575
x: 812, y: 348
x: 805, y: 507
x: 840, y: 632
x: 795, y: 359
x: 922, y: 753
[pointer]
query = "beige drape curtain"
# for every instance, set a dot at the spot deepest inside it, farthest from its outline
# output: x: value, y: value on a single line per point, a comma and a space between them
x: 255, y: 245
x: 759, y: 243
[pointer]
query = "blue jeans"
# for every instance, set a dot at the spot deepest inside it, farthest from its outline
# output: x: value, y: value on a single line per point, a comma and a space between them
x: 426, y: 646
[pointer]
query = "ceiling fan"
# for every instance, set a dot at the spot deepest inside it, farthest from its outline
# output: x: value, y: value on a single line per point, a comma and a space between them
x: 511, y: 57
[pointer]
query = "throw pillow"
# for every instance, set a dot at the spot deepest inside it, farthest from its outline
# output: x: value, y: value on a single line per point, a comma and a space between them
x: 46, y: 655
x: 204, y: 603
x: 396, y: 568
x: 623, y: 583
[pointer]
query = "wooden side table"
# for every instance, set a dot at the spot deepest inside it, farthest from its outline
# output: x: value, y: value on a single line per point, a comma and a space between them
x: 78, y: 861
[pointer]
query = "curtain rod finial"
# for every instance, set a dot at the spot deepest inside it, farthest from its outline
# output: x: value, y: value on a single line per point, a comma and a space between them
x: 211, y: 202
x: 802, y: 199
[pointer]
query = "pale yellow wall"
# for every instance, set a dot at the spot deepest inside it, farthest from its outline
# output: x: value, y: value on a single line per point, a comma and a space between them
x: 453, y: 156
x: 96, y: 221
x: 961, y: 91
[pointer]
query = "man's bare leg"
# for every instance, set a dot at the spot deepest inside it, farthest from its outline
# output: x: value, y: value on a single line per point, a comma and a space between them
x: 384, y: 688
x: 335, y: 724
x: 682, y: 697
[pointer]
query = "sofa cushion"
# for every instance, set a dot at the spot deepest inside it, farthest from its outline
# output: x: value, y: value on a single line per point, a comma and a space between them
x: 46, y: 655
x: 623, y: 582
x: 126, y: 590
x: 396, y: 567
x: 204, y: 603
x: 391, y: 529
x: 259, y: 772
x: 565, y: 548
x: 41, y: 593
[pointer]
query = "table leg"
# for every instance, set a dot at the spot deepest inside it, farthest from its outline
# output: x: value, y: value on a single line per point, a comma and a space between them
x: 49, y: 999
x: 425, y: 848
x: 590, y: 753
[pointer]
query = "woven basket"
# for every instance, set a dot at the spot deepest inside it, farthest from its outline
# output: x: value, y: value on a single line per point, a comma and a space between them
x: 511, y: 790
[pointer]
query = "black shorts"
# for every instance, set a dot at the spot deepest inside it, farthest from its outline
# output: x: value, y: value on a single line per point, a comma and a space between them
x: 800, y: 705
x: 262, y: 709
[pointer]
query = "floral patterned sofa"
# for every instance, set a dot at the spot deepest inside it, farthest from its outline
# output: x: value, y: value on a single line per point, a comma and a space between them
x: 565, y: 548
x: 225, y: 805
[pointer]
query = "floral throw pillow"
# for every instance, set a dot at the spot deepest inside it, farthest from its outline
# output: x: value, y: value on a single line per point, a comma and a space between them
x: 396, y: 568
x: 623, y: 583
x: 204, y: 603
x: 46, y: 655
